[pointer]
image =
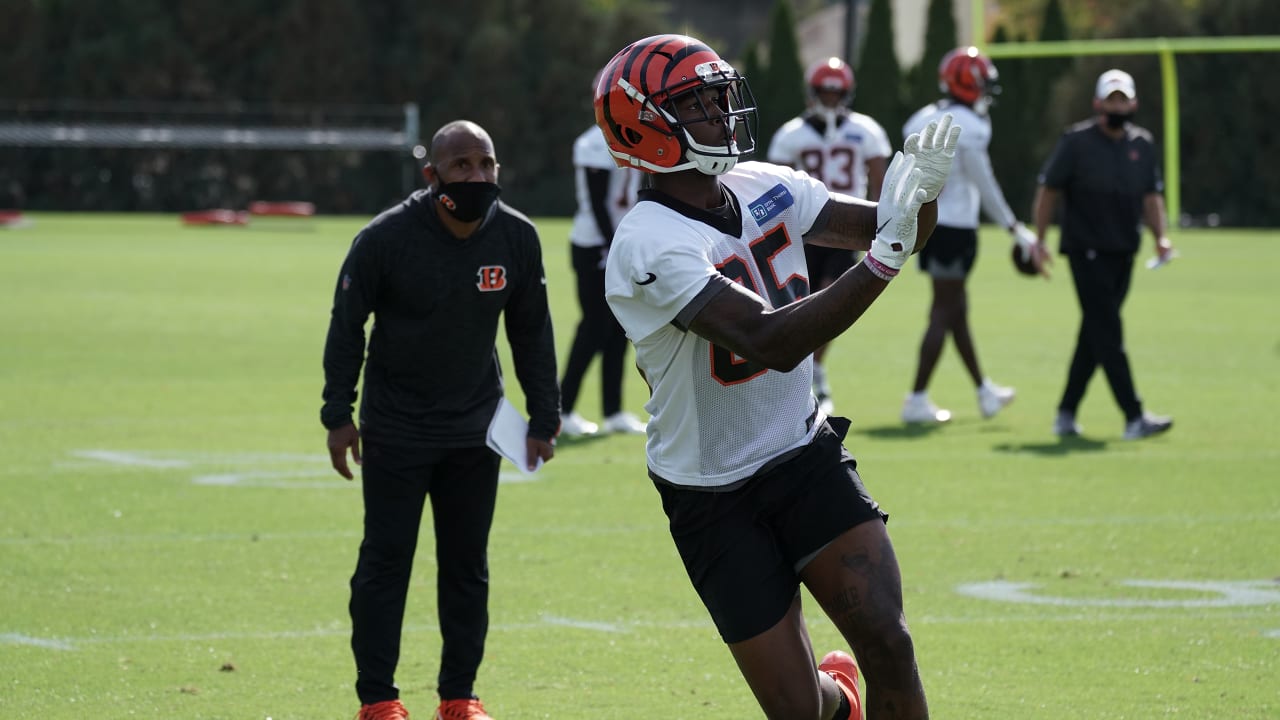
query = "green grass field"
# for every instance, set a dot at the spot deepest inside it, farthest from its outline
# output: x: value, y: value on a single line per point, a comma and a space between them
x: 174, y: 545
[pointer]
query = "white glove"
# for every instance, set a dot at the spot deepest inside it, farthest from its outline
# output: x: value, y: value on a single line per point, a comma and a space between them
x: 934, y: 148
x: 896, y: 216
x: 1025, y: 239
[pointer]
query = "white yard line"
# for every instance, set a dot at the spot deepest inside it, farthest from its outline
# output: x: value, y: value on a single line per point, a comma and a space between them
x: 1213, y: 594
x: 552, y: 621
x: 270, y: 470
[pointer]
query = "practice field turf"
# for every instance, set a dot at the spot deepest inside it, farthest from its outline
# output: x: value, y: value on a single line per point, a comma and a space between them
x: 173, y: 543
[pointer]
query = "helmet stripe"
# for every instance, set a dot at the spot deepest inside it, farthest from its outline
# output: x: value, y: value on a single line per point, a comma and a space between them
x: 679, y: 56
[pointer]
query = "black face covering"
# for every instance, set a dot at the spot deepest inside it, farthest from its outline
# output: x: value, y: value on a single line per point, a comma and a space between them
x: 1115, y: 121
x: 467, y: 201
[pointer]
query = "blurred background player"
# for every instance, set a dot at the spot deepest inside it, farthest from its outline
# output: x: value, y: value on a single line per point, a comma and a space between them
x: 605, y: 192
x: 969, y: 80
x: 1104, y: 211
x: 848, y: 152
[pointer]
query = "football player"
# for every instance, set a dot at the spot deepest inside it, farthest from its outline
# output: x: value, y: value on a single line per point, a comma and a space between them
x: 848, y: 152
x: 604, y: 192
x: 969, y: 80
x: 707, y: 275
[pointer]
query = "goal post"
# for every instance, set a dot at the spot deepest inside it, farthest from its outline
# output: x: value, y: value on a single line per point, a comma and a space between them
x: 1165, y: 48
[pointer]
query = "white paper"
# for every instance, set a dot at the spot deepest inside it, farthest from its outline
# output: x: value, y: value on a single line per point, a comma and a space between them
x: 507, y: 433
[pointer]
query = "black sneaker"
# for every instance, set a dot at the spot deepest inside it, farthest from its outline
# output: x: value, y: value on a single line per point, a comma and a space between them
x: 1065, y: 425
x: 1146, y: 426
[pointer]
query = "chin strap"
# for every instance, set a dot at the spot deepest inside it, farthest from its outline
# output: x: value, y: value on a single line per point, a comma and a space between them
x: 709, y: 165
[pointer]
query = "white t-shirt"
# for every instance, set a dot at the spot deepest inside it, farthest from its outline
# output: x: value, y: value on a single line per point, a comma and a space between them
x: 591, y: 151
x: 716, y: 418
x: 972, y: 185
x: 838, y: 156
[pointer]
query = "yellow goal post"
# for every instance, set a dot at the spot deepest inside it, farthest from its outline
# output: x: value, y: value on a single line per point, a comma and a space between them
x: 1165, y: 48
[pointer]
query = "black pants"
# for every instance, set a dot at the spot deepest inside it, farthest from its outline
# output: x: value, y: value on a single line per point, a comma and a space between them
x: 1102, y: 283
x: 463, y: 485
x: 598, y: 332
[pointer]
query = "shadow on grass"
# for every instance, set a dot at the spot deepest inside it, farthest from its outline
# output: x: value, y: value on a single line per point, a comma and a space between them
x: 904, y: 431
x: 1058, y: 447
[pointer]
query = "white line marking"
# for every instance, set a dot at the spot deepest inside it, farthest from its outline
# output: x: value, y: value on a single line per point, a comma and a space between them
x: 274, y: 479
x: 583, y: 624
x: 124, y: 457
x: 1227, y: 594
x: 294, y: 464
x: 175, y: 537
x: 19, y: 639
x: 335, y: 631
x: 1090, y: 521
x: 180, y: 458
x: 342, y: 630
x: 515, y: 476
x: 1272, y: 634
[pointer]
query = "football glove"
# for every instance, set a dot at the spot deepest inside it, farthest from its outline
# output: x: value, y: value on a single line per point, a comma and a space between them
x: 934, y: 148
x: 1025, y: 239
x: 896, y: 217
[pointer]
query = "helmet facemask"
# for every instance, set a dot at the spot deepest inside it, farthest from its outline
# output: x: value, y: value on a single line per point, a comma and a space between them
x: 990, y: 90
x: 720, y: 103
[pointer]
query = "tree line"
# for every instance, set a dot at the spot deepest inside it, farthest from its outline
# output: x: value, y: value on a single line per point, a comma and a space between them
x: 523, y: 70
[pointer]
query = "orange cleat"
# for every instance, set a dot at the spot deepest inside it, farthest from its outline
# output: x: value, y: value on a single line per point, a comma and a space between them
x: 841, y: 667
x: 461, y: 710
x: 385, y: 710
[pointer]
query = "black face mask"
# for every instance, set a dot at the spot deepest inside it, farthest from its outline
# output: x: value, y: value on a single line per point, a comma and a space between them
x: 467, y: 201
x: 1115, y: 121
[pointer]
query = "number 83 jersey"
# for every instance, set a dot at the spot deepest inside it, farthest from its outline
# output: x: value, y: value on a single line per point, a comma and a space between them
x: 716, y: 418
x: 835, y: 151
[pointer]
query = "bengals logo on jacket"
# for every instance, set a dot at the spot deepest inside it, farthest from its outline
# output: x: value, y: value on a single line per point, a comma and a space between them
x: 491, y: 278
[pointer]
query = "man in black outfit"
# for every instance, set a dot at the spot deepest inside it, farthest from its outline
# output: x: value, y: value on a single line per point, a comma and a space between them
x: 436, y: 270
x: 1106, y: 170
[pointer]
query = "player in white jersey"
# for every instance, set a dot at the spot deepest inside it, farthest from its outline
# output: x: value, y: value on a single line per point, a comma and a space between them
x: 848, y: 151
x: 969, y: 80
x: 707, y: 274
x: 604, y: 192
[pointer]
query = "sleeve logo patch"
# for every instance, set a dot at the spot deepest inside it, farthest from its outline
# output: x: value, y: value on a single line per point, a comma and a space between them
x: 768, y: 206
x: 491, y: 278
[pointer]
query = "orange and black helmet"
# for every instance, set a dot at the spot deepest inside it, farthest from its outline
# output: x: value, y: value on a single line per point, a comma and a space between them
x: 636, y: 98
x: 968, y: 76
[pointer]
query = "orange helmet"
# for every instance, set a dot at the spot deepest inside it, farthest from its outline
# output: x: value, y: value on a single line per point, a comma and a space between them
x: 831, y: 74
x: 968, y: 76
x: 636, y: 98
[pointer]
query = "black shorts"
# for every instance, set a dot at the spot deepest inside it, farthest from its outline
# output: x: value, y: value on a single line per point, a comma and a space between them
x: 742, y: 547
x: 826, y: 264
x: 950, y: 253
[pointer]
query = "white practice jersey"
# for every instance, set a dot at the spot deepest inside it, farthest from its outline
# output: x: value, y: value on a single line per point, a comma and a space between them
x: 837, y: 156
x: 716, y: 417
x: 972, y: 185
x: 591, y: 151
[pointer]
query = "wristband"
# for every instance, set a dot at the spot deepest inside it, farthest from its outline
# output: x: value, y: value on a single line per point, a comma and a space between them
x: 879, y: 269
